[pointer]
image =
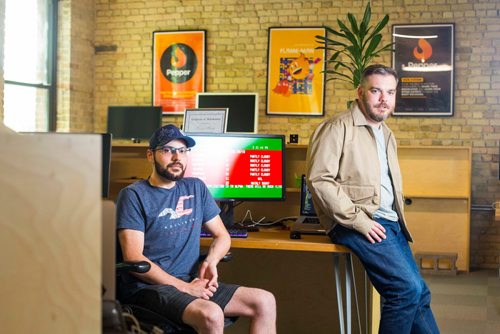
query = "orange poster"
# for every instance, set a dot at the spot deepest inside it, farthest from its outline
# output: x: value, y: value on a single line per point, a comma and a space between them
x: 178, y: 69
x: 295, y: 82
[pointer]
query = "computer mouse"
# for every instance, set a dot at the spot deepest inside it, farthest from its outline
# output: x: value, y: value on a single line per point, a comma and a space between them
x: 295, y: 235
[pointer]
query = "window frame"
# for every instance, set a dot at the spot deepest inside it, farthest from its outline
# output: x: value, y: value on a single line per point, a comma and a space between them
x: 51, y: 85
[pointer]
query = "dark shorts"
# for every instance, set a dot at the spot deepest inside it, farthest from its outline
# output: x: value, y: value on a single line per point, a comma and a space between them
x: 171, y: 303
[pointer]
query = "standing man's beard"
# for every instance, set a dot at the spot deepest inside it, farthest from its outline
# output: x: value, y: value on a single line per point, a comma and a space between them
x: 374, y: 116
x: 163, y: 172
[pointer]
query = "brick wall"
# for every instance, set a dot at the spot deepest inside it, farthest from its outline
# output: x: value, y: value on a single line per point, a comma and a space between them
x: 236, y: 61
x: 75, y: 66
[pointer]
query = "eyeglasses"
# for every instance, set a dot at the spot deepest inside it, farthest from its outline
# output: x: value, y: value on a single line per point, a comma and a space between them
x: 173, y: 150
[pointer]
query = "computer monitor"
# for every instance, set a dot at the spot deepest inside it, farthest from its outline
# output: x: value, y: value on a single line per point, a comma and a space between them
x: 243, y: 109
x: 239, y: 167
x: 135, y: 123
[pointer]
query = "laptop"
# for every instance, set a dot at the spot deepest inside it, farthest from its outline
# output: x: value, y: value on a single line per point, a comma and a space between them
x: 307, y: 222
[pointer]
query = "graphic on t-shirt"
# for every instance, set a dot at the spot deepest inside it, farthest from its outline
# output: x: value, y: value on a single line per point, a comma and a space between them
x: 179, y: 209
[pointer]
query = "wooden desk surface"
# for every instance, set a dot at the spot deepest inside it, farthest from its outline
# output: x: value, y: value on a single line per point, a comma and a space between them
x: 280, y: 240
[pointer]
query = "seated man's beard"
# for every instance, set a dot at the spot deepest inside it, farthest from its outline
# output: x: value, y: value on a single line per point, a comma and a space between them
x: 166, y: 174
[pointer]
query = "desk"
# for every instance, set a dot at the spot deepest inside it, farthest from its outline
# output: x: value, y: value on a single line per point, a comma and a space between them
x: 279, y: 240
x: 497, y: 211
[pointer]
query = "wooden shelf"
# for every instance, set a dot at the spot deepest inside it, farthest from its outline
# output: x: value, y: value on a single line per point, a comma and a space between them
x: 437, y: 179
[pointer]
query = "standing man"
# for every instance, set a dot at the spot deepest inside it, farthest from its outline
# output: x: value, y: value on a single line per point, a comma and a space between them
x: 354, y: 176
x: 159, y: 221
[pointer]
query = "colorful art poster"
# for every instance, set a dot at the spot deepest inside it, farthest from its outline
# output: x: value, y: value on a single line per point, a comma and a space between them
x: 295, y: 81
x: 178, y: 69
x: 424, y: 59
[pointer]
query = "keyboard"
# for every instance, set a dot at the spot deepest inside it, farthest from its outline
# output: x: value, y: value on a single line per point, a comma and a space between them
x: 234, y: 232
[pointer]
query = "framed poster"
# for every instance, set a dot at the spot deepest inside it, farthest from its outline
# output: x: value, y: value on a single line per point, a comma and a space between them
x: 178, y: 69
x: 424, y: 59
x: 295, y: 82
x: 205, y: 120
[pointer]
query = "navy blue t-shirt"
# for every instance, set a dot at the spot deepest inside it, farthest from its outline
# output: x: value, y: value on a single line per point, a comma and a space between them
x: 171, y: 220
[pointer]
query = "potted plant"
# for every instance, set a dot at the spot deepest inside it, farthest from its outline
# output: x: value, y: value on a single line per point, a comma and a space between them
x: 353, y: 47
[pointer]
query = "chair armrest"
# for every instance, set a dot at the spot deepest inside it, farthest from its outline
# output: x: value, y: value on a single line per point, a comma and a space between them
x: 133, y: 266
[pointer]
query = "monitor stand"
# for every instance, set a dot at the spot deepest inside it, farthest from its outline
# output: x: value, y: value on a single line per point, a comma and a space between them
x: 227, y: 216
x: 227, y: 213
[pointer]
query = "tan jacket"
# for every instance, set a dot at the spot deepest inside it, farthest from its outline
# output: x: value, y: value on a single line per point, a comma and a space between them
x: 343, y: 172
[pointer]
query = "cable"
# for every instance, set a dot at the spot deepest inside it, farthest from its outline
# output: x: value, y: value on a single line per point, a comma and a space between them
x: 259, y: 222
x: 280, y: 220
x: 254, y: 223
x: 135, y: 327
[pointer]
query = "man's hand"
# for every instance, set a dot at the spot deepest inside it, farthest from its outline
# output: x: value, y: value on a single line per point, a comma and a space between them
x: 200, y: 288
x: 208, y: 271
x: 376, y: 234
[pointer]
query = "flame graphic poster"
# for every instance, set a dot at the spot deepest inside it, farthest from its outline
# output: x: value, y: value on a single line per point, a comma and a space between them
x: 295, y: 82
x: 178, y: 69
x: 424, y: 59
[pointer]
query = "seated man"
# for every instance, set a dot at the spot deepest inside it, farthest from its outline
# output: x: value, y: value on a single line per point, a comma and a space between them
x: 159, y: 221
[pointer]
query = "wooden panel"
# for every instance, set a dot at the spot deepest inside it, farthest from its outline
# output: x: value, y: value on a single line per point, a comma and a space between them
x: 440, y: 225
x: 436, y: 171
x: 50, y: 244
x: 128, y: 165
x: 295, y: 164
x: 497, y: 211
x: 108, y: 249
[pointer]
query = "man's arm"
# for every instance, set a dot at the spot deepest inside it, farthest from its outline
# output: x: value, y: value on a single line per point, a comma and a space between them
x: 218, y: 249
x: 132, y: 245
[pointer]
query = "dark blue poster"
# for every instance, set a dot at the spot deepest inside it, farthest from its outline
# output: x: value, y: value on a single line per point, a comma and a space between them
x: 423, y: 57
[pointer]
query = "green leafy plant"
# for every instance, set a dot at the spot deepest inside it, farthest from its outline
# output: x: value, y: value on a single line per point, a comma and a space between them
x: 353, y: 47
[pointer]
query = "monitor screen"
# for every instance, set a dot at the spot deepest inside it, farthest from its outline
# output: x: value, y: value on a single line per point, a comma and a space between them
x: 306, y: 202
x: 240, y: 167
x: 243, y: 109
x: 133, y: 122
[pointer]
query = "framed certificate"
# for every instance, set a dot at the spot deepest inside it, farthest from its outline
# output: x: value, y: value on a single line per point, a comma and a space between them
x: 205, y: 120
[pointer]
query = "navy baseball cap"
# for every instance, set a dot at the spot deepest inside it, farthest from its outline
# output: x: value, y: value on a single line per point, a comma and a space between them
x: 166, y: 134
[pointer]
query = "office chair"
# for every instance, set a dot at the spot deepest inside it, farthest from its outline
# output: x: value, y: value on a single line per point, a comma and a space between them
x: 115, y: 314
x: 151, y: 321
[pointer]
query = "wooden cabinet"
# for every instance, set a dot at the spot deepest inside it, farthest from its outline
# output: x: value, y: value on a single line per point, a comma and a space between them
x: 437, y: 188
x: 128, y: 165
x: 436, y: 184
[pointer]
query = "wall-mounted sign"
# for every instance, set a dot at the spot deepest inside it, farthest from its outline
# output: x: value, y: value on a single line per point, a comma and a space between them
x: 178, y: 69
x: 424, y: 59
x: 295, y: 81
